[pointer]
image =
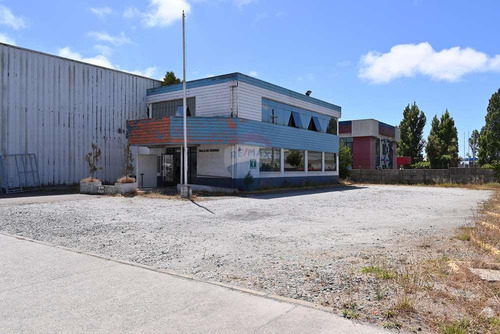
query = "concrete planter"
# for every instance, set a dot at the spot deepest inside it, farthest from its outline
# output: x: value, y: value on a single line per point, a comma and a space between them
x: 125, y: 188
x: 90, y: 187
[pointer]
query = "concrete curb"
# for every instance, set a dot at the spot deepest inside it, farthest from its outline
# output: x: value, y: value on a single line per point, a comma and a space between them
x: 187, y: 277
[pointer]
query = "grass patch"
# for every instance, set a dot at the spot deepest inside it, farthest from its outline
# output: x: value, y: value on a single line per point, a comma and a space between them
x: 380, y: 273
x: 463, y: 236
x: 350, y: 314
x: 458, y: 327
x: 391, y: 325
x: 404, y: 304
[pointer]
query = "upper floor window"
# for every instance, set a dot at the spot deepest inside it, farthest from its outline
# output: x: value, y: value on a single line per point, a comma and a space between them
x: 173, y: 108
x: 332, y: 126
x: 288, y: 115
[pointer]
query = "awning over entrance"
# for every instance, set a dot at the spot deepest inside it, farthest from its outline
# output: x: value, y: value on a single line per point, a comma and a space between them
x: 227, y: 131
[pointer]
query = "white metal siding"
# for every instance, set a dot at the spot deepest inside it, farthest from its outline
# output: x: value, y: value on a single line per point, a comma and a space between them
x: 56, y: 107
x: 250, y: 102
x: 212, y: 100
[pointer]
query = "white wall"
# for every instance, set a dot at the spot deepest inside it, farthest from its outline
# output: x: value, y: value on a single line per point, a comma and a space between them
x: 214, y: 160
x: 213, y: 100
x: 250, y: 102
x: 148, y: 166
x: 56, y: 108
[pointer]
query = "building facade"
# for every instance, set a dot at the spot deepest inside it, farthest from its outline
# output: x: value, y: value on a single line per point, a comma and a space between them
x: 243, y: 133
x: 56, y: 108
x: 373, y: 144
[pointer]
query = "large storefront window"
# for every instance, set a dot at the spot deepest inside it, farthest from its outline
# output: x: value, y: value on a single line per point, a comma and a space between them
x: 270, y: 160
x: 330, y: 162
x: 294, y: 160
x: 314, y: 161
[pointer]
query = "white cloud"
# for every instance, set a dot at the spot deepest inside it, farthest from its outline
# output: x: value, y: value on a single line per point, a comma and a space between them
x: 102, y: 60
x: 164, y: 12
x: 105, y: 37
x: 9, y: 19
x: 99, y: 60
x: 104, y: 50
x: 408, y: 60
x: 149, y: 72
x: 101, y: 11
x: 241, y: 3
x: 131, y: 13
x: 6, y: 39
x: 254, y: 74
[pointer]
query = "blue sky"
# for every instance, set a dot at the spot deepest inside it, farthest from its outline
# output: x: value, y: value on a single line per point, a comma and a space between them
x: 370, y: 57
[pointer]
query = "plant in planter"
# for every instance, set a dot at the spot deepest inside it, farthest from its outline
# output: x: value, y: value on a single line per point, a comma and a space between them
x: 90, y: 185
x: 127, y: 184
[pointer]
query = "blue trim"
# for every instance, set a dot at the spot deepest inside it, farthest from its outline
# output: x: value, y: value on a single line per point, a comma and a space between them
x: 246, y: 79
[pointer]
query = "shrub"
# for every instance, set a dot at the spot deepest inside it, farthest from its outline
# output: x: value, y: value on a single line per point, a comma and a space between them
x: 345, y: 160
x: 92, y: 158
x: 421, y: 165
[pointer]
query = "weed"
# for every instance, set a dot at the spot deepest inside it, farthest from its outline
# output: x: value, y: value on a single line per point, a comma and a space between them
x: 379, y: 294
x: 380, y: 273
x: 350, y: 314
x: 391, y: 325
x: 389, y: 314
x: 458, y: 327
x: 463, y: 237
x: 404, y: 304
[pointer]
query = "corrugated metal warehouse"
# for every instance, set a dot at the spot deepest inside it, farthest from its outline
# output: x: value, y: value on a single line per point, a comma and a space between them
x: 56, y: 108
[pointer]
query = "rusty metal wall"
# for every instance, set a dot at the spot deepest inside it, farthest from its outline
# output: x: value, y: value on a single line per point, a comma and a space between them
x: 56, y: 108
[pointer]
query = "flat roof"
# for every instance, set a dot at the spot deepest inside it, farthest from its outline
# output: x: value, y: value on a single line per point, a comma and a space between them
x: 243, y: 78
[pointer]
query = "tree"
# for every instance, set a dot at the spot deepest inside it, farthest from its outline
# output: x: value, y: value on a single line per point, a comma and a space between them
x: 128, y: 162
x: 92, y: 159
x: 170, y: 79
x: 442, y: 144
x: 474, y: 144
x: 489, y: 141
x: 345, y: 160
x: 294, y: 159
x: 412, y: 130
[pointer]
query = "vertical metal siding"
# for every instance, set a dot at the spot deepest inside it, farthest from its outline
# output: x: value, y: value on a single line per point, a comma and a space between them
x: 56, y: 107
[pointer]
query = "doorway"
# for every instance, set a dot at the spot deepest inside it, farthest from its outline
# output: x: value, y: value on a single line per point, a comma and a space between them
x: 169, y: 167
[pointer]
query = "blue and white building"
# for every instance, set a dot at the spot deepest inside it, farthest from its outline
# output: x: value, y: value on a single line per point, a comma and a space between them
x: 243, y: 133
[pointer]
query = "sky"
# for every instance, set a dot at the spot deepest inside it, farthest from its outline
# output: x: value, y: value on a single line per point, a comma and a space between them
x: 371, y: 57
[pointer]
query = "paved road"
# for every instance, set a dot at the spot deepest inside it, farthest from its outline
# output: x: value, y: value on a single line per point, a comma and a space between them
x: 45, y: 289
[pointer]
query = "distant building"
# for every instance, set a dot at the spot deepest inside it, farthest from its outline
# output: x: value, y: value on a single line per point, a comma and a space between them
x: 373, y: 144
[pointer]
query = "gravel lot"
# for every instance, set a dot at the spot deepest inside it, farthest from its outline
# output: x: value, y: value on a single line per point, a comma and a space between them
x: 302, y: 245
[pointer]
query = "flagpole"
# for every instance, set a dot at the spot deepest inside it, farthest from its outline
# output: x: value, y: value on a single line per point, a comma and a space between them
x: 186, y: 192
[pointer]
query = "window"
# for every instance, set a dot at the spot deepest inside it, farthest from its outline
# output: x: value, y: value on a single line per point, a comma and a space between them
x: 173, y: 108
x: 270, y: 160
x: 294, y: 160
x: 332, y: 126
x: 347, y: 142
x: 330, y: 162
x: 314, y: 161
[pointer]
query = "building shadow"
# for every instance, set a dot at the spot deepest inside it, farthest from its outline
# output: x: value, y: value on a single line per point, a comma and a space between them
x: 300, y: 192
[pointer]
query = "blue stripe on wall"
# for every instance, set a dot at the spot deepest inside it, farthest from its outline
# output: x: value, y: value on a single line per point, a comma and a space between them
x: 247, y: 79
x: 230, y: 131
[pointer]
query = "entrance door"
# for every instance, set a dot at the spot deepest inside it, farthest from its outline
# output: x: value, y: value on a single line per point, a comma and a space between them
x: 170, y: 167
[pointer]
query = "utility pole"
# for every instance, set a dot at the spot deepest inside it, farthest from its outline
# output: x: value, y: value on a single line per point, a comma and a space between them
x: 185, y: 188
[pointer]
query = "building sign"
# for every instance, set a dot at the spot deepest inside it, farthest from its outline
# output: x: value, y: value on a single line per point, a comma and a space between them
x: 253, y: 164
x: 208, y: 150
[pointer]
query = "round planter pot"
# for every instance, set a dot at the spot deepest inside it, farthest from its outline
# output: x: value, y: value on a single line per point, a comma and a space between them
x: 90, y: 187
x: 125, y: 188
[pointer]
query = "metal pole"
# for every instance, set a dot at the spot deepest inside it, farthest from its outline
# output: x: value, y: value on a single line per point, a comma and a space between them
x: 184, y: 114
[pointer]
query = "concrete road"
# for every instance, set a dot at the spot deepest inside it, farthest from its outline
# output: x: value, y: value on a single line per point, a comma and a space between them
x: 46, y: 289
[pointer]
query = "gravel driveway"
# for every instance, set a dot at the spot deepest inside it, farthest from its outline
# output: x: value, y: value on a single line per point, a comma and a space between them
x: 301, y: 245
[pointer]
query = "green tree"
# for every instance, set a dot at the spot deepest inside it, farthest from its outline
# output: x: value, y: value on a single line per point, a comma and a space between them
x: 345, y: 160
x: 170, y: 79
x: 442, y: 144
x: 412, y: 130
x: 489, y: 141
x: 474, y: 144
